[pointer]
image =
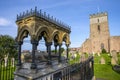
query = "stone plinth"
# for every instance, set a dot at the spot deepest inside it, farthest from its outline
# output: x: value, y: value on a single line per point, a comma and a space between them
x: 42, y: 72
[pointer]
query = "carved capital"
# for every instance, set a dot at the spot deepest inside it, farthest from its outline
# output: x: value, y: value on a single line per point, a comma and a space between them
x: 55, y: 44
x: 48, y: 43
x: 60, y: 44
x: 20, y: 42
x: 34, y: 42
x: 67, y: 45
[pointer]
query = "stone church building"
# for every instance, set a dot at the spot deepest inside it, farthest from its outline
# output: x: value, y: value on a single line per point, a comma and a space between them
x: 100, y: 38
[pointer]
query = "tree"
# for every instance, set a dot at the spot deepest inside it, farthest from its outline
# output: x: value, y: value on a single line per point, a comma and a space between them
x: 104, y: 51
x: 7, y: 46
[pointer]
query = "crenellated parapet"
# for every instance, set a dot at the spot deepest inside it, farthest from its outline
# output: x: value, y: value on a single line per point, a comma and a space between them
x: 98, y: 14
x: 43, y: 15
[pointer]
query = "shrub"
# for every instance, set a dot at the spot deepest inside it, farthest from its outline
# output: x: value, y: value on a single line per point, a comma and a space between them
x: 104, y: 51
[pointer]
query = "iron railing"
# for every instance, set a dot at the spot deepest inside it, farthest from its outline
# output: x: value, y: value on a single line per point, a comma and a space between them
x: 78, y: 71
x: 7, y: 69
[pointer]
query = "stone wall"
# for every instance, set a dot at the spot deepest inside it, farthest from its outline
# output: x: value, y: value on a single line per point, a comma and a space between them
x: 115, y: 43
x: 86, y: 46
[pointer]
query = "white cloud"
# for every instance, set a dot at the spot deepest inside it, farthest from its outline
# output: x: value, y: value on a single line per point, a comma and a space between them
x: 4, y: 22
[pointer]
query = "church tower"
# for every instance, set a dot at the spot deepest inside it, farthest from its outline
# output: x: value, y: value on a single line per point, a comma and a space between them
x: 99, y: 32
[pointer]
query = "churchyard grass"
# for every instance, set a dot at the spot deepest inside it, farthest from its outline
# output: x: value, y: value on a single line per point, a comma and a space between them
x: 75, y: 59
x: 119, y: 58
x: 104, y: 71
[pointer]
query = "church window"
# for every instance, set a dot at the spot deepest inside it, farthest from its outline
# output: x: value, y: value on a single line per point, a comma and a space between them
x: 98, y: 20
x: 99, y: 28
x: 102, y: 46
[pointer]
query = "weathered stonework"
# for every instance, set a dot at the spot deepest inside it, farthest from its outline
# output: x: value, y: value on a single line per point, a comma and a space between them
x: 115, y: 43
x: 100, y: 36
x: 36, y: 66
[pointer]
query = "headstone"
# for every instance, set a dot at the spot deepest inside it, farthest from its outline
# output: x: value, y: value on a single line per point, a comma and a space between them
x: 64, y: 54
x: 82, y: 57
x: 22, y: 58
x: 94, y: 78
x: 102, y: 61
x: 93, y: 53
x: 80, y: 53
x: 75, y: 55
x: 113, y: 61
x: 98, y: 54
x: 114, y: 58
x: 108, y: 54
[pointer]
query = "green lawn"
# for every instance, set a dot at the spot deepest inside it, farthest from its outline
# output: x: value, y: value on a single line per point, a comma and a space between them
x: 104, y: 71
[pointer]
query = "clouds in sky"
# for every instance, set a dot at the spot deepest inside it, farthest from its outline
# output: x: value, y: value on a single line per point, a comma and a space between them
x: 4, y: 22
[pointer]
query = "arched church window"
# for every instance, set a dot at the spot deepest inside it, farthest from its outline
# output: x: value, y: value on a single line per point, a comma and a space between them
x: 102, y: 46
x: 98, y: 20
x: 99, y: 28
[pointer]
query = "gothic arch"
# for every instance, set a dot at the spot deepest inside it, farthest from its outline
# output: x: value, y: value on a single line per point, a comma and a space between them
x: 43, y: 32
x: 55, y: 36
x: 65, y: 37
x: 23, y: 32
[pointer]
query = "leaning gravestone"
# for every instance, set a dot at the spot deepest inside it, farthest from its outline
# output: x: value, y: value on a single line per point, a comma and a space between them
x: 102, y: 61
x: 98, y: 54
x: 114, y: 59
x: 93, y: 54
x: 82, y: 59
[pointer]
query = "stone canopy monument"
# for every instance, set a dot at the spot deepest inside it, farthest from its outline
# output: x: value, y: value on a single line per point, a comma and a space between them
x: 38, y: 25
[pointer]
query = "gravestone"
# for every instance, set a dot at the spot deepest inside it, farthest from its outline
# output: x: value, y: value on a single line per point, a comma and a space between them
x: 82, y: 57
x: 113, y: 61
x: 94, y: 78
x: 102, y: 61
x: 93, y: 53
x: 114, y: 58
x: 98, y: 54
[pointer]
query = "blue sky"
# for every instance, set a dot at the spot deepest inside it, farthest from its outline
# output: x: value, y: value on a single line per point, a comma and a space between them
x: 73, y: 12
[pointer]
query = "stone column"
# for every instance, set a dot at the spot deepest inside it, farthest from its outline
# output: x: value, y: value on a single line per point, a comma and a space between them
x: 48, y: 44
x: 46, y: 47
x: 55, y: 48
x: 19, y: 53
x: 34, y: 46
x: 67, y: 45
x: 59, y: 57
